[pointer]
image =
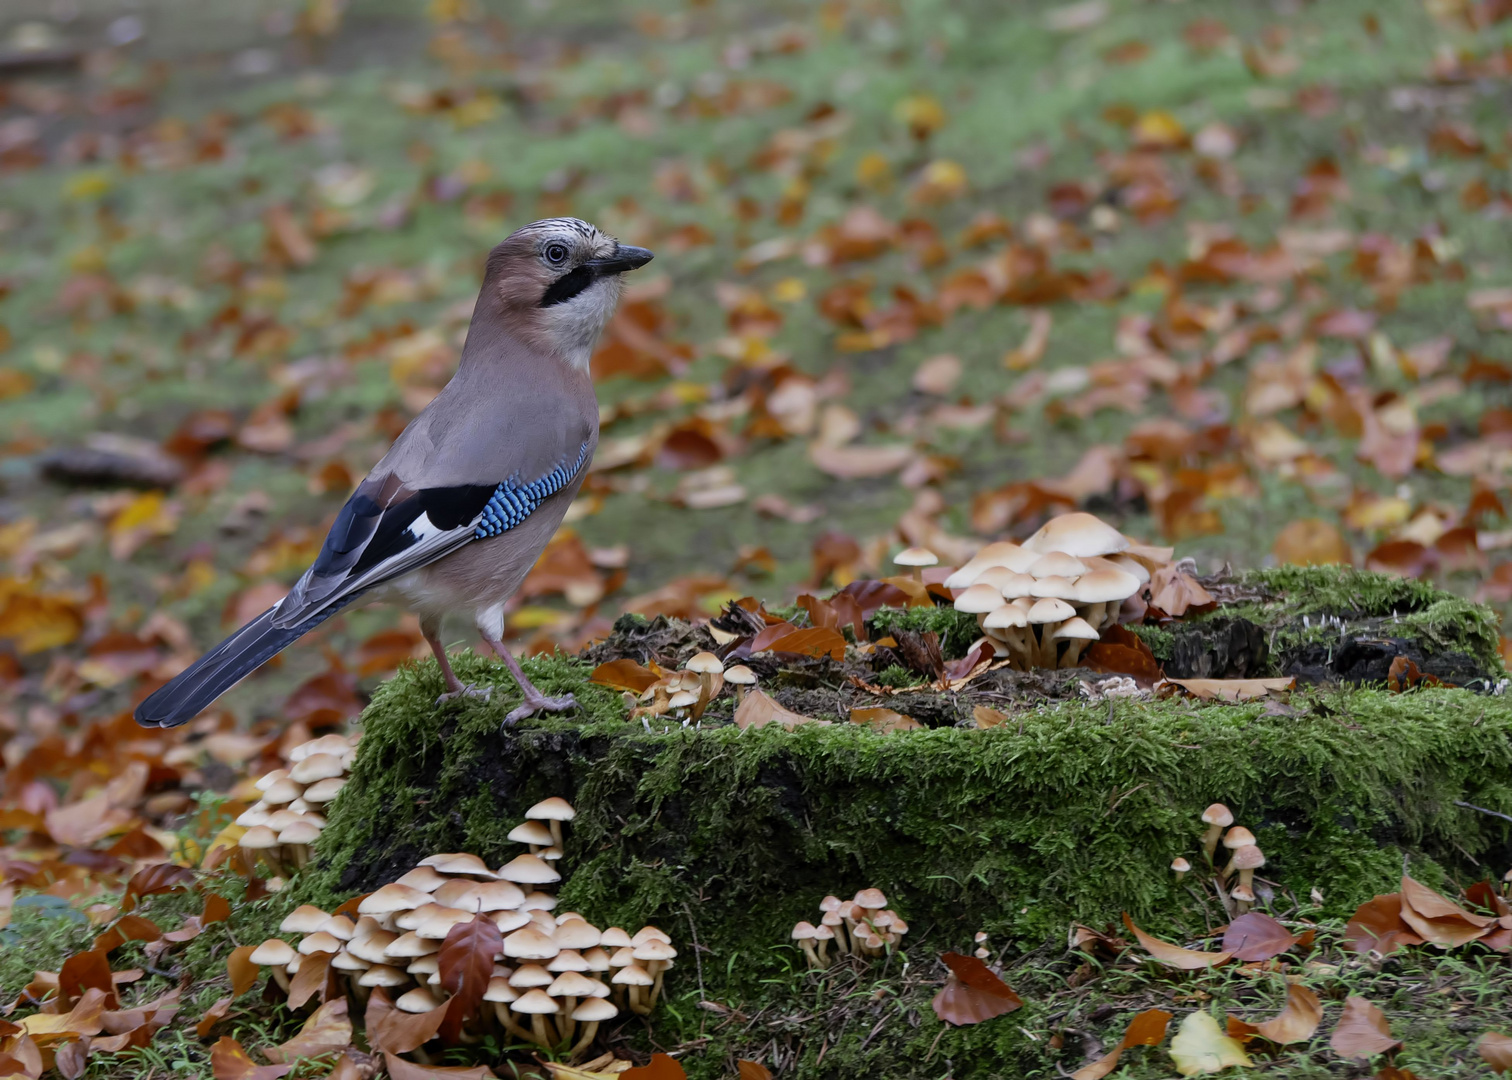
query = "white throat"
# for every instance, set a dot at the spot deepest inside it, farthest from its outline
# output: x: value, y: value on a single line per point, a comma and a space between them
x: 573, y: 326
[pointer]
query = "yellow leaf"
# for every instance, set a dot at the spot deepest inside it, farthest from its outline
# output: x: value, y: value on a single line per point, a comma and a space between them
x: 90, y: 184
x: 1158, y: 130
x: 224, y: 843
x: 1200, y: 1046
x: 146, y: 516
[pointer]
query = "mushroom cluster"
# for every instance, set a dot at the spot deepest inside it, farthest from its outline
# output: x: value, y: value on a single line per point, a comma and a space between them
x: 689, y: 691
x: 283, y: 825
x: 1245, y: 857
x: 1046, y: 599
x: 864, y: 926
x: 557, y: 977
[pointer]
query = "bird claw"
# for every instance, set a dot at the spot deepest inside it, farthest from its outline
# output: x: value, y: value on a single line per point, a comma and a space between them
x: 539, y: 703
x: 483, y: 693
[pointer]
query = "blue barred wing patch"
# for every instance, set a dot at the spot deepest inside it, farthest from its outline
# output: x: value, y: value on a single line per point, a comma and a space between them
x: 513, y: 502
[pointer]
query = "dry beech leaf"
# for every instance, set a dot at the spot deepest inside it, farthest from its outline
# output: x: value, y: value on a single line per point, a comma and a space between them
x: 1232, y: 690
x: 660, y: 1067
x: 988, y: 718
x: 466, y: 965
x: 86, y: 1018
x: 884, y: 720
x: 860, y: 462
x: 328, y: 1030
x: 1174, y: 955
x: 1496, y: 1051
x: 344, y: 1069
x: 399, y: 1069
x: 752, y: 1070
x: 972, y: 993
x: 1146, y: 1029
x: 395, y: 1031
x: 624, y: 674
x: 82, y: 971
x: 1362, y: 1031
x: 1200, y: 1047
x: 759, y: 710
x: 241, y: 969
x: 156, y: 879
x: 1256, y: 936
x: 1439, y: 920
x: 814, y: 641
x: 1377, y: 926
x: 311, y: 978
x: 1297, y: 1021
x: 213, y: 1015
x: 1176, y: 592
x: 228, y: 1061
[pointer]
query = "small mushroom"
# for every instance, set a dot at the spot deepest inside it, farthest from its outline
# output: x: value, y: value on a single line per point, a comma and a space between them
x: 1247, y: 860
x: 423, y: 878
x: 459, y: 862
x: 555, y: 811
x: 324, y: 791
x: 1180, y: 867
x: 979, y: 600
x: 916, y: 559
x: 1002, y: 553
x: 275, y: 954
x: 823, y: 935
x: 534, y: 833
x: 262, y: 842
x: 316, y: 767
x: 705, y: 665
x: 634, y: 979
x: 305, y: 919
x: 835, y: 922
x: 1242, y: 896
x: 803, y: 934
x: 1081, y: 534
x: 1047, y: 614
x: 538, y: 1005
x: 1075, y: 632
x: 529, y: 870
x: 1236, y: 838
x: 296, y: 841
x: 741, y: 677
x: 500, y: 994
x: 590, y: 1014
x: 1010, y: 625
x: 1217, y: 818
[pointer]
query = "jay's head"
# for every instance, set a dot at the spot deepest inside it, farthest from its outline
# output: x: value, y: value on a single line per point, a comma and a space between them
x: 557, y: 282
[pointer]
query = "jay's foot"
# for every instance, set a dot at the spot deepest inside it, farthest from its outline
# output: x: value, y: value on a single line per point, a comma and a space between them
x: 535, y: 702
x: 467, y: 690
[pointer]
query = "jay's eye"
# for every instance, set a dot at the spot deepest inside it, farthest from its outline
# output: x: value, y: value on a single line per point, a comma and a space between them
x: 556, y: 254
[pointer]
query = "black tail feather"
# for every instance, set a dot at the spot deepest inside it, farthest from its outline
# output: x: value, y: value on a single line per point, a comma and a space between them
x: 193, y: 690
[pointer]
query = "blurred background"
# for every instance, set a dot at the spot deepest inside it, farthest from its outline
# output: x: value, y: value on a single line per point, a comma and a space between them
x: 1231, y: 275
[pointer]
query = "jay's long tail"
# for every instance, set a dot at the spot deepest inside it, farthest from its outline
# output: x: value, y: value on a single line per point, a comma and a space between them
x: 192, y: 690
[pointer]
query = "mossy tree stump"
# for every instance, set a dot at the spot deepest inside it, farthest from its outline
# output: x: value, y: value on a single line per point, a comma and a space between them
x: 1071, y: 811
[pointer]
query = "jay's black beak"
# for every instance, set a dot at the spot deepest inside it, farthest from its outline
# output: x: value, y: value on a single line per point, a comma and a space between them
x: 625, y: 257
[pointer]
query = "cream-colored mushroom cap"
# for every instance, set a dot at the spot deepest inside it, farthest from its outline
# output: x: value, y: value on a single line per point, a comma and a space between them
x: 1009, y: 583
x: 279, y: 820
x: 552, y: 809
x: 1105, y: 586
x: 1057, y: 564
x: 1007, y: 617
x: 499, y: 895
x: 614, y: 938
x: 1243, y: 893
x: 429, y: 964
x: 1219, y: 815
x: 538, y: 901
x: 418, y: 1000
x: 1238, y: 837
x: 391, y: 898
x: 258, y: 838
x: 871, y: 898
x: 703, y: 663
x: 509, y: 919
x: 527, y: 976
x: 256, y: 814
x: 1051, y: 610
x: 411, y: 919
x: 339, y: 926
x: 1248, y: 857
x: 1059, y: 587
x: 500, y: 990
x: 632, y: 975
x: 597, y: 960
x: 529, y: 870
x: 372, y: 947
x: 571, y: 984
x: 319, y: 941
x: 568, y: 960
x: 439, y: 923
x: 345, y: 961
x: 326, y: 744
x: 803, y: 931
x: 1078, y: 628
x: 323, y: 791
x: 1001, y: 553
x: 273, y: 953
x: 267, y: 780
x: 1180, y: 865
x: 1131, y: 566
x: 1078, y: 534
x: 382, y: 975
x: 683, y: 699
x: 531, y: 832
x: 528, y: 943
x: 740, y: 675
x: 823, y: 932
x: 535, y: 1001
x: 660, y: 950
x: 300, y: 833
x: 649, y: 933
x: 316, y: 767
x: 305, y: 919
x: 285, y: 791
x: 459, y: 862
x: 594, y: 1009
x: 978, y: 600
x: 424, y: 878
x: 411, y: 944
x: 916, y: 556
x: 460, y: 893
x: 576, y: 934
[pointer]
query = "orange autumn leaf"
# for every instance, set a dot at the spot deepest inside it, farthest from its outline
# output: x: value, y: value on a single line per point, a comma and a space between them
x: 1439, y: 920
x: 1362, y: 1031
x: 242, y: 971
x: 884, y: 720
x: 624, y: 674
x: 1496, y: 1051
x: 660, y: 1067
x: 1256, y: 936
x: 1377, y: 926
x: 1297, y: 1021
x: 394, y: 1031
x: 1146, y: 1029
x: 753, y: 1070
x: 228, y: 1061
x: 399, y: 1069
x: 813, y: 641
x: 1174, y: 955
x: 972, y: 992
x: 328, y: 1030
x: 759, y: 710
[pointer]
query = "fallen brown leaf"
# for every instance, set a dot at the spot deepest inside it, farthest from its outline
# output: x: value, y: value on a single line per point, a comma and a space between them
x: 972, y: 993
x: 1256, y: 936
x: 327, y: 1031
x: 759, y: 710
x: 228, y: 1061
x: 1174, y: 955
x: 1146, y: 1029
x: 1232, y: 690
x: 1496, y: 1051
x: 1362, y: 1031
x: 1296, y: 1022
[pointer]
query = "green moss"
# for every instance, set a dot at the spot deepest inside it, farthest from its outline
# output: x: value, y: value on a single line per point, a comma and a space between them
x: 896, y: 675
x: 956, y: 629
x: 1159, y: 640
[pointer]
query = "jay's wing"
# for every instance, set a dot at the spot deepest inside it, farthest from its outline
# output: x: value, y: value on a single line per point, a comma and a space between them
x: 388, y: 528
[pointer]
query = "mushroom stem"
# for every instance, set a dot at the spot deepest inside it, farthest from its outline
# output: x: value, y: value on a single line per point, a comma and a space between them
x: 638, y: 1003
x: 556, y: 832
x: 1210, y: 841
x: 506, y: 1018
x: 808, y: 951
x: 538, y: 1027
x: 299, y: 854
x: 566, y: 1025
x: 590, y: 1029
x: 1095, y: 615
x: 655, y: 989
x: 1246, y: 878
x: 705, y: 693
x: 1073, y: 652
x: 823, y: 953
x: 282, y: 978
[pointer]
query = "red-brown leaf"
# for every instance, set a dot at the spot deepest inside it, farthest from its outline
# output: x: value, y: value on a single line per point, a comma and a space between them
x: 972, y: 993
x: 753, y: 1070
x: 82, y: 971
x: 624, y: 674
x: 127, y: 928
x: 398, y: 1032
x: 815, y: 641
x: 1122, y: 652
x: 241, y: 969
x: 1146, y: 1029
x: 1377, y: 926
x: 661, y: 1067
x: 1362, y: 1031
x: 151, y: 880
x: 213, y: 1015
x: 1496, y: 1051
x: 1296, y: 1022
x: 466, y: 964
x: 1256, y: 936
x: 1174, y: 955
x: 399, y: 1069
x: 228, y: 1061
x: 312, y: 978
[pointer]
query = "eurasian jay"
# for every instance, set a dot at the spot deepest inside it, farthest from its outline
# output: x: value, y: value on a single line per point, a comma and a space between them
x: 458, y: 510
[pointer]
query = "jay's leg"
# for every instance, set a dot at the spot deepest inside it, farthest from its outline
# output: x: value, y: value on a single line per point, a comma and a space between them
x: 535, y: 701
x: 455, y: 688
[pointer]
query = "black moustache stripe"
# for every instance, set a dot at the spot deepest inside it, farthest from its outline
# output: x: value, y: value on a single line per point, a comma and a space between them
x: 568, y: 285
